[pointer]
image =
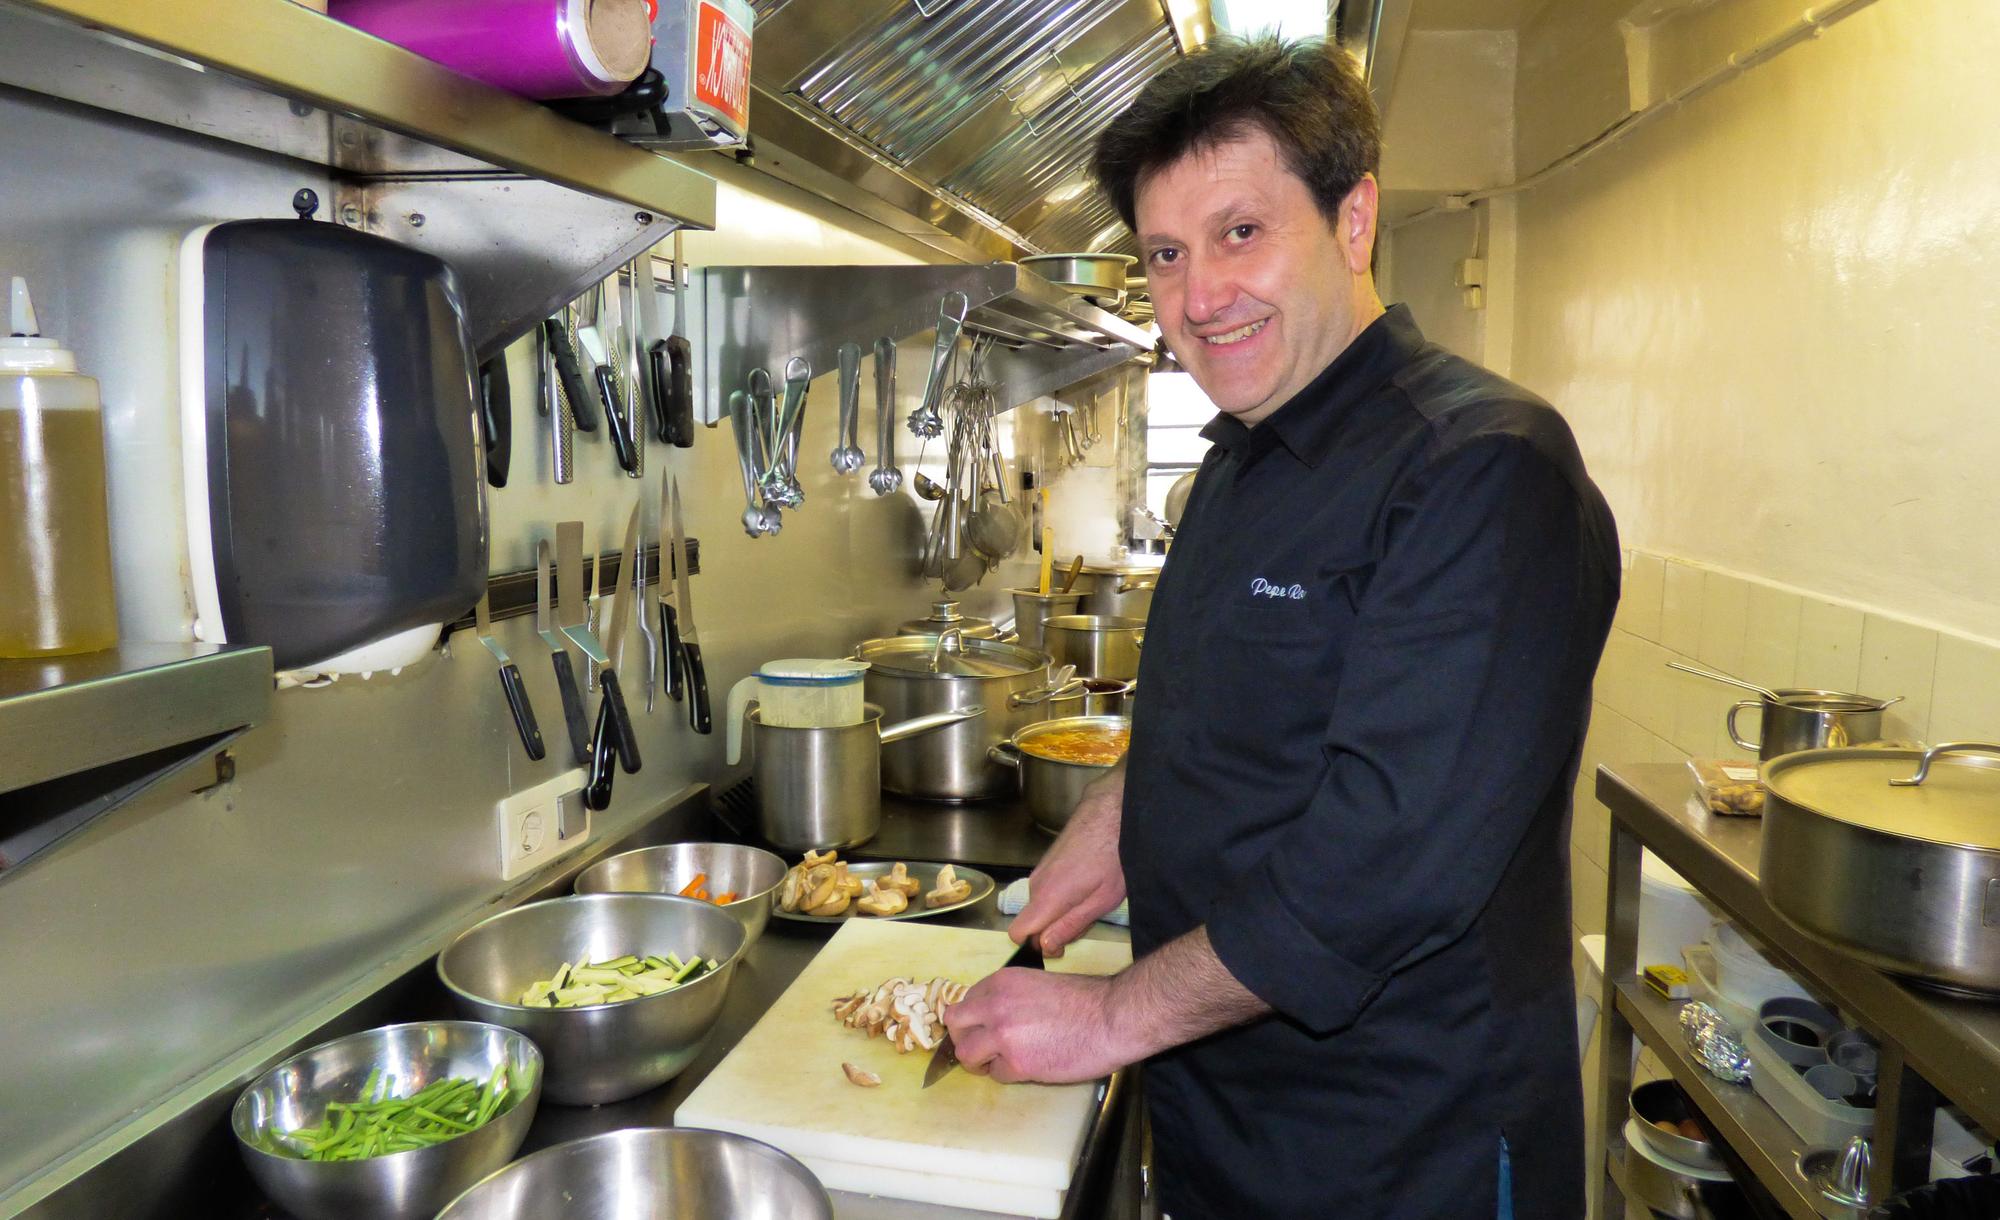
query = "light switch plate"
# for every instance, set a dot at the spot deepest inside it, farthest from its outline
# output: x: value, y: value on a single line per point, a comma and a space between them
x: 532, y: 824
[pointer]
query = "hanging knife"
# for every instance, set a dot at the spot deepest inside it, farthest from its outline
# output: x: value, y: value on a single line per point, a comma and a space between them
x: 646, y: 633
x: 652, y: 353
x: 622, y: 597
x: 560, y: 334
x: 671, y: 551
x: 613, y: 730
x: 572, y: 697
x: 510, y: 682
x: 945, y: 1057
x: 697, y: 675
x: 680, y: 356
x: 599, y: 348
x: 627, y: 333
x: 555, y: 407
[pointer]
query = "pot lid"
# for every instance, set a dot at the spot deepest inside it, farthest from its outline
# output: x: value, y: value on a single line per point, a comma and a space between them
x: 1957, y: 802
x: 944, y: 616
x: 910, y: 656
x: 811, y: 671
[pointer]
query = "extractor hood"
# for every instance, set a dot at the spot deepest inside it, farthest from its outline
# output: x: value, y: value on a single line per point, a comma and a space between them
x: 968, y: 124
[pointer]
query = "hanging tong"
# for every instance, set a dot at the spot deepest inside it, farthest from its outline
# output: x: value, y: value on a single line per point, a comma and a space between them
x: 886, y: 478
x: 927, y: 420
x: 746, y: 412
x: 847, y: 456
x: 780, y: 483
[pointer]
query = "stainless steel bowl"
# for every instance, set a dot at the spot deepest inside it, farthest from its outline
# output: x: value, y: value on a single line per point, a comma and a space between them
x: 610, y: 1051
x: 751, y: 872
x: 1663, y: 1101
x: 650, y: 1173
x: 403, y: 1185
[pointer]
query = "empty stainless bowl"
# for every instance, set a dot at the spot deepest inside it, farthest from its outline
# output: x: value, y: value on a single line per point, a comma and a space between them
x: 403, y: 1185
x: 650, y: 1173
x: 610, y: 1051
x: 753, y: 873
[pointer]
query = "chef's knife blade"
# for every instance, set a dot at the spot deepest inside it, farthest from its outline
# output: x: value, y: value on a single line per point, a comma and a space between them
x: 572, y: 697
x: 945, y: 1057
x: 646, y: 338
x: 680, y: 358
x: 510, y: 682
x: 699, y: 715
x: 555, y: 407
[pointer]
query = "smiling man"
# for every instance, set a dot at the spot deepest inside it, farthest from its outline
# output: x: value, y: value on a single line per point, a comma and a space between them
x: 1344, y: 821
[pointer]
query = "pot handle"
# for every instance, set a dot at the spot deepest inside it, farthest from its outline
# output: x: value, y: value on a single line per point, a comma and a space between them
x: 1006, y: 753
x: 1949, y: 747
x: 1139, y: 639
x: 740, y: 703
x: 924, y: 724
x: 1071, y: 689
x: 1730, y: 724
x: 1138, y: 584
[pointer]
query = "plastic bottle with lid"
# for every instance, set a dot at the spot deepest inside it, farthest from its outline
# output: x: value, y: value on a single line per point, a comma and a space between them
x: 55, y: 537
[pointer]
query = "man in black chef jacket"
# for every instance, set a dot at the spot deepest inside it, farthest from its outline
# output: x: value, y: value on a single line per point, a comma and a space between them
x: 1344, y: 818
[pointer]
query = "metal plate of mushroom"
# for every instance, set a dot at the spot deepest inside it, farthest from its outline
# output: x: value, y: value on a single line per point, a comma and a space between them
x: 925, y: 874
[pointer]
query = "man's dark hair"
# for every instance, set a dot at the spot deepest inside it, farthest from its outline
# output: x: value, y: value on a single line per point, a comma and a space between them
x: 1307, y: 96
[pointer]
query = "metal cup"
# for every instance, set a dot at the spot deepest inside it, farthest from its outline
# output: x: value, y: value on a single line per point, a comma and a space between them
x: 1031, y: 607
x: 818, y: 788
x: 1809, y: 720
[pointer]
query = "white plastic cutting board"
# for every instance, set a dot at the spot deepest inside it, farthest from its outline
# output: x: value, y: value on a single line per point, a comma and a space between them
x: 783, y: 1084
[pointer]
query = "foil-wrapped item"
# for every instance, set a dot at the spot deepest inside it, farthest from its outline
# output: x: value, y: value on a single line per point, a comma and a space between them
x: 1715, y: 1043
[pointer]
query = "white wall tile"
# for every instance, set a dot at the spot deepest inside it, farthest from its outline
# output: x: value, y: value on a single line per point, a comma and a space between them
x: 1965, y: 695
x: 1640, y: 597
x: 1771, y: 636
x: 1587, y: 886
x: 1899, y: 658
x: 1680, y: 608
x: 1829, y: 655
x: 1725, y: 616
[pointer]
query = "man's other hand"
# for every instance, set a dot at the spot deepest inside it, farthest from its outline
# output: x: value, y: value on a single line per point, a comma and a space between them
x: 1079, y: 880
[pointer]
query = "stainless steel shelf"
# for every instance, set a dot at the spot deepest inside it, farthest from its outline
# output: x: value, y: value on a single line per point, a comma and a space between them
x: 1746, y: 1122
x: 760, y: 317
x: 528, y: 206
x: 68, y: 714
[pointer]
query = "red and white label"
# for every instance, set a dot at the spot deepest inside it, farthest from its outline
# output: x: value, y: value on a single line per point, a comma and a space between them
x: 722, y: 65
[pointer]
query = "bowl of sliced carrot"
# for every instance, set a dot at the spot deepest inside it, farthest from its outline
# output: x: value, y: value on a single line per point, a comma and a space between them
x: 741, y: 880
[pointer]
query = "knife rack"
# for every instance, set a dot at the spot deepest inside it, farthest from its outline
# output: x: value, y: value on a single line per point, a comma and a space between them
x: 512, y: 594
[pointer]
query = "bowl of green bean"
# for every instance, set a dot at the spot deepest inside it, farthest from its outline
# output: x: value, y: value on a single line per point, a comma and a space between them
x: 390, y: 1123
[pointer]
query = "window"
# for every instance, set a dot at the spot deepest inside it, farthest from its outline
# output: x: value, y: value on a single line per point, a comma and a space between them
x: 1176, y: 412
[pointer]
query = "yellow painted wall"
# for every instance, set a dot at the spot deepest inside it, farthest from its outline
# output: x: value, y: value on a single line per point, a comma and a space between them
x: 1771, y: 317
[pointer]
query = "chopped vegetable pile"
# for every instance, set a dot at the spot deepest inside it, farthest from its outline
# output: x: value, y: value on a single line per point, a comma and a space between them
x: 378, y: 1124
x: 608, y: 982
x: 698, y: 888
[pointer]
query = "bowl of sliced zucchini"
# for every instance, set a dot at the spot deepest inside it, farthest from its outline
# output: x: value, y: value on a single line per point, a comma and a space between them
x: 619, y: 991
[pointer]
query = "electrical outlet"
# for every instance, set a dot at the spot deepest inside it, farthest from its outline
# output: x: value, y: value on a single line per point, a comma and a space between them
x: 542, y: 823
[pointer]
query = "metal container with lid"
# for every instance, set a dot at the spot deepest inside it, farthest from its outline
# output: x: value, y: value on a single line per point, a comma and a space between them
x: 923, y: 675
x: 1892, y: 856
x: 1809, y: 720
x: 945, y: 617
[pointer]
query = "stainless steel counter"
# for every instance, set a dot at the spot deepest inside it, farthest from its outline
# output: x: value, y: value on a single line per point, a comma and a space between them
x: 1108, y: 1182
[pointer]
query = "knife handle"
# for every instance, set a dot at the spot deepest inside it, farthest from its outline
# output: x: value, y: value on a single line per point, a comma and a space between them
x: 697, y: 677
x: 680, y: 393
x: 597, y: 789
x: 670, y: 629
x: 572, y: 702
x: 570, y: 370
x: 656, y: 361
x: 620, y: 427
x: 621, y: 722
x: 496, y: 418
x: 524, y: 712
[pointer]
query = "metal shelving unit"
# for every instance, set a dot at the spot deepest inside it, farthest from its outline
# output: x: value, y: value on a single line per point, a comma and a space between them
x: 528, y: 206
x: 1934, y: 1045
x: 760, y: 317
x: 63, y: 715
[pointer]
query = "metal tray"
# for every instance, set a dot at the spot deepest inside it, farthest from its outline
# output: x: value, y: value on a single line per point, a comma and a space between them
x: 923, y: 870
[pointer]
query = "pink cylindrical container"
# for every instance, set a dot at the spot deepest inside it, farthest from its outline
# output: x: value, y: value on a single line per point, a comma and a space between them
x: 536, y: 48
